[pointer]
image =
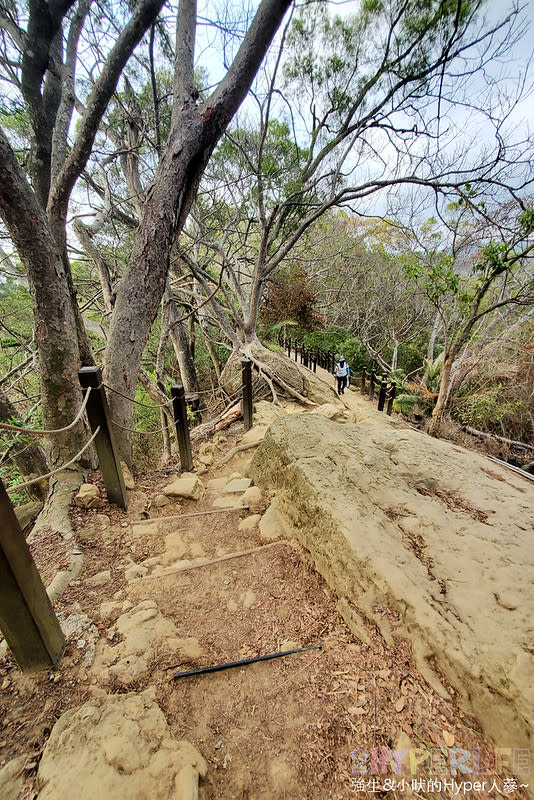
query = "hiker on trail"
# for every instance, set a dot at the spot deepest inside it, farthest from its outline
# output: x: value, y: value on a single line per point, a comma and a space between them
x: 341, y: 374
x: 347, y: 379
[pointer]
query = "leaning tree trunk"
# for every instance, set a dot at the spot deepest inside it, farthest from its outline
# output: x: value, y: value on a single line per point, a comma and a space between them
x: 441, y: 402
x: 275, y: 375
x: 195, y: 131
x: 55, y: 324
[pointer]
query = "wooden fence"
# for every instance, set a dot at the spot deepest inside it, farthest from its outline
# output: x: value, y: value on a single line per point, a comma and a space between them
x: 371, y: 383
x: 27, y: 618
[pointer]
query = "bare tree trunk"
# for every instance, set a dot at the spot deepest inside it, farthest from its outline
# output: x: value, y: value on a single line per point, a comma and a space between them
x: 160, y: 372
x: 157, y: 394
x: 195, y: 131
x: 180, y: 342
x: 395, y: 356
x: 211, y: 350
x: 59, y: 358
x: 441, y: 402
x: 85, y: 237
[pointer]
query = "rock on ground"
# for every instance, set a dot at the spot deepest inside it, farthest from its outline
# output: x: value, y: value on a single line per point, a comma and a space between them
x: 129, y: 482
x: 187, y: 485
x: 12, y: 778
x: 142, y: 630
x: 331, y: 411
x: 118, y: 747
x: 439, y: 536
x: 89, y: 496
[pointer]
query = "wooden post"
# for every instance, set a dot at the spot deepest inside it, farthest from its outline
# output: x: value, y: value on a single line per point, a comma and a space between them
x: 289, y: 348
x: 182, y: 427
x: 392, y: 390
x: 315, y: 357
x: 246, y: 376
x: 27, y: 619
x: 106, y: 448
x: 362, y: 381
x: 296, y: 349
x: 372, y: 385
x: 382, y: 393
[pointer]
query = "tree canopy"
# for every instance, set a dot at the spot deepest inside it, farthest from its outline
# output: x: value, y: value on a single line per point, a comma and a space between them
x: 366, y: 172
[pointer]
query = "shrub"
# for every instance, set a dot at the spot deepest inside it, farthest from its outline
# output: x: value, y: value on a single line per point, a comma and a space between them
x: 492, y: 412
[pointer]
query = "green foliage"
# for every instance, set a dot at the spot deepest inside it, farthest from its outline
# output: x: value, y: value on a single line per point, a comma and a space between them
x: 526, y: 220
x: 410, y: 355
x: 405, y: 403
x: 399, y: 377
x: 433, y: 371
x: 340, y: 342
x: 15, y: 117
x: 280, y: 328
x: 491, y: 411
x: 9, y: 341
x: 146, y: 447
x: 437, y: 278
x: 11, y: 478
x: 344, y: 62
x: 281, y: 164
x: 493, y: 259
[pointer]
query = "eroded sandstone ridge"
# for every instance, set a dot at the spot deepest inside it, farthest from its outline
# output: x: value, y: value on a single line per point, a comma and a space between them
x: 427, y: 541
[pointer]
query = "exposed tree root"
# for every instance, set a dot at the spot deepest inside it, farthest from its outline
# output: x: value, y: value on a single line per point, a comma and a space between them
x: 235, y: 450
x: 267, y: 373
x: 55, y: 515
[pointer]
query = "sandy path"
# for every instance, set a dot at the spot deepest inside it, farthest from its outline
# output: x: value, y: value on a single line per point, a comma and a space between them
x: 279, y: 729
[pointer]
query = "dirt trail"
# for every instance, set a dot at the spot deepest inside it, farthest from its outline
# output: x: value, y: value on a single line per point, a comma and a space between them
x: 286, y: 728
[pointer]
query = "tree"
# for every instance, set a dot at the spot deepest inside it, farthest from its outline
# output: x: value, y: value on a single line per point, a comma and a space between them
x: 476, y: 277
x: 36, y: 217
x: 364, y: 287
x: 350, y: 108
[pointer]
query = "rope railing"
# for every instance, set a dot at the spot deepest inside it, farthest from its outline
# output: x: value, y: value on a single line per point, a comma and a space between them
x: 143, y: 433
x: 21, y: 486
x: 40, y: 432
x: 369, y: 382
x: 41, y: 642
x: 102, y: 425
x: 136, y: 402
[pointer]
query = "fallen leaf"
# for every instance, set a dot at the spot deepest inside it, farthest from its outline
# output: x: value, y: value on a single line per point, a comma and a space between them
x: 384, y: 673
x: 356, y: 711
x: 407, y: 728
x: 399, y: 705
x: 448, y: 738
